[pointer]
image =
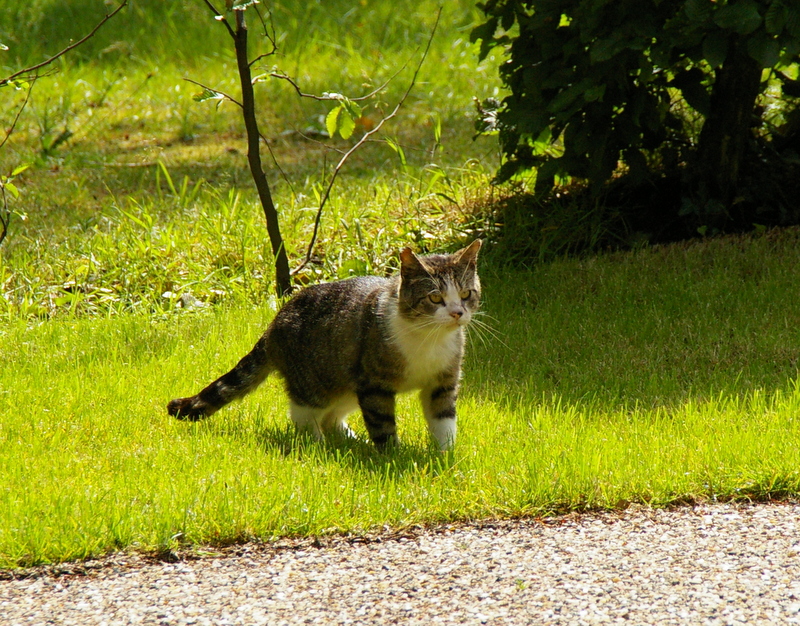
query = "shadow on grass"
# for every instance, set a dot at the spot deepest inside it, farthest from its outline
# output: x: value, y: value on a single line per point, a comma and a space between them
x: 650, y: 329
x: 353, y: 452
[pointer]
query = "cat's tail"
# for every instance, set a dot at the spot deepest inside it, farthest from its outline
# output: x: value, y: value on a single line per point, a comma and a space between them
x: 248, y: 374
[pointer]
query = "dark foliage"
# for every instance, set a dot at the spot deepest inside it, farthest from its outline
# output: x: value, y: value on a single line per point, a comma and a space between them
x: 650, y: 111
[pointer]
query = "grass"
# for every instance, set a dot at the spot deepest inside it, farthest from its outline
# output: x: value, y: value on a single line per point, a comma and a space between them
x: 151, y: 179
x: 661, y: 376
x: 665, y: 376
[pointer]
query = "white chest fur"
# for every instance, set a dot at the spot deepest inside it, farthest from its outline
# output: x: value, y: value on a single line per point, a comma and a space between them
x: 428, y: 351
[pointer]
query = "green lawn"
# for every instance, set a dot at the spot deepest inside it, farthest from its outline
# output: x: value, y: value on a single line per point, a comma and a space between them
x: 661, y: 376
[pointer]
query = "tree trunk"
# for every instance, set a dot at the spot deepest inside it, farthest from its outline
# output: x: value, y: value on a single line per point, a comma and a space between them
x: 283, y: 282
x: 727, y: 129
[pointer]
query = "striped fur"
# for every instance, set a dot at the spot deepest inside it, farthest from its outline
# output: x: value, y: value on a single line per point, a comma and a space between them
x: 357, y: 343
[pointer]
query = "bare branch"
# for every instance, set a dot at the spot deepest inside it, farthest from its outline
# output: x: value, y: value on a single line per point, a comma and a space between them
x: 267, y: 35
x: 263, y: 55
x: 286, y: 178
x: 283, y: 278
x: 220, y: 18
x: 365, y: 137
x: 222, y: 93
x: 4, y: 219
x: 33, y: 68
x: 321, y: 144
x: 14, y: 125
x: 327, y: 97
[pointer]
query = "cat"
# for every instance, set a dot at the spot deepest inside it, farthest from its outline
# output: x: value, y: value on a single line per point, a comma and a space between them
x: 358, y: 342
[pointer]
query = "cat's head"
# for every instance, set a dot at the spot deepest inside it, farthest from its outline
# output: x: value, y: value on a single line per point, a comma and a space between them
x: 440, y: 288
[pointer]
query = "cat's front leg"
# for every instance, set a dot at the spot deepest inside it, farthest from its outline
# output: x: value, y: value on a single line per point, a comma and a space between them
x: 439, y: 406
x: 377, y: 405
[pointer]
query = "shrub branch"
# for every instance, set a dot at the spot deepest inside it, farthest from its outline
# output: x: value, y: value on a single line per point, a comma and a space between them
x: 365, y: 137
x: 72, y: 46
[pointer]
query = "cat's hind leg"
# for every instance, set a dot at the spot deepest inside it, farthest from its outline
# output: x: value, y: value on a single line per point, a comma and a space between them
x: 335, y: 418
x: 307, y: 419
x: 331, y: 419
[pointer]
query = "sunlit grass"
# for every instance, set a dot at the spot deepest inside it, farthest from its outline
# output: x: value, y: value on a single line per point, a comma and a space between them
x: 659, y: 376
x: 151, y: 193
x: 626, y: 378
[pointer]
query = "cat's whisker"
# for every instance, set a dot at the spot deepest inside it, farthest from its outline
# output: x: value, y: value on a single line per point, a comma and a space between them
x: 482, y: 329
x: 487, y: 327
x: 404, y: 333
x: 486, y: 315
x: 476, y: 330
x: 491, y: 335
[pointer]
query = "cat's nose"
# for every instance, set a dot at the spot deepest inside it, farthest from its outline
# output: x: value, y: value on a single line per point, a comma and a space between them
x: 457, y: 314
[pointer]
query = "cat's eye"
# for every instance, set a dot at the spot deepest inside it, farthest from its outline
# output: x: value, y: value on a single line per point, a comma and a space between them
x: 465, y: 294
x: 436, y: 298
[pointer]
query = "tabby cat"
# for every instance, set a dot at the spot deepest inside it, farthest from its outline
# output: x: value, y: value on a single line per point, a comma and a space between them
x: 358, y: 342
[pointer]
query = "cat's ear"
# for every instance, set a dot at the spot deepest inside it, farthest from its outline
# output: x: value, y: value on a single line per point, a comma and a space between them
x: 470, y: 253
x: 410, y: 262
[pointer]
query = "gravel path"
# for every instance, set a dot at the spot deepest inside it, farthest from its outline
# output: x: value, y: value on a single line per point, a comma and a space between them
x: 714, y: 564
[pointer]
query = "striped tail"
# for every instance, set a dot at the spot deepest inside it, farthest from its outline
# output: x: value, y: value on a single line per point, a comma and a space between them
x: 248, y: 374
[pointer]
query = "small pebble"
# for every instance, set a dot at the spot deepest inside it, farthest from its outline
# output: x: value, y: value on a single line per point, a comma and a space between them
x: 709, y: 564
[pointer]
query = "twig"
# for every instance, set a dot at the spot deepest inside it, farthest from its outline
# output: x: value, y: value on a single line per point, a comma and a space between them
x: 361, y: 142
x: 220, y: 18
x: 267, y: 35
x: 222, y: 93
x: 96, y: 120
x: 263, y: 55
x: 285, y: 177
x: 4, y: 219
x: 72, y: 46
x: 14, y: 124
x: 321, y: 144
x: 327, y: 97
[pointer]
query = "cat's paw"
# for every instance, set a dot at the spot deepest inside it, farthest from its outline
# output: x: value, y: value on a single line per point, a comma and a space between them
x: 386, y: 443
x: 186, y: 409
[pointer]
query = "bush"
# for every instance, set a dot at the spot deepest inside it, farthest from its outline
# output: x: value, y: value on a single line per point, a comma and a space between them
x: 642, y: 88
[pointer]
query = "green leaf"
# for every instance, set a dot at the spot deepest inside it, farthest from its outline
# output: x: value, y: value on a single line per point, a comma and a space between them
x: 208, y: 94
x: 346, y: 123
x: 594, y: 93
x: 793, y: 23
x: 20, y: 168
x: 764, y: 49
x: 12, y: 188
x: 698, y: 10
x: 331, y: 121
x: 606, y: 48
x: 342, y: 118
x: 741, y: 17
x: 398, y: 149
x: 568, y: 96
x: 776, y: 17
x: 693, y: 90
x: 715, y: 48
x: 545, y: 176
x: 352, y: 109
